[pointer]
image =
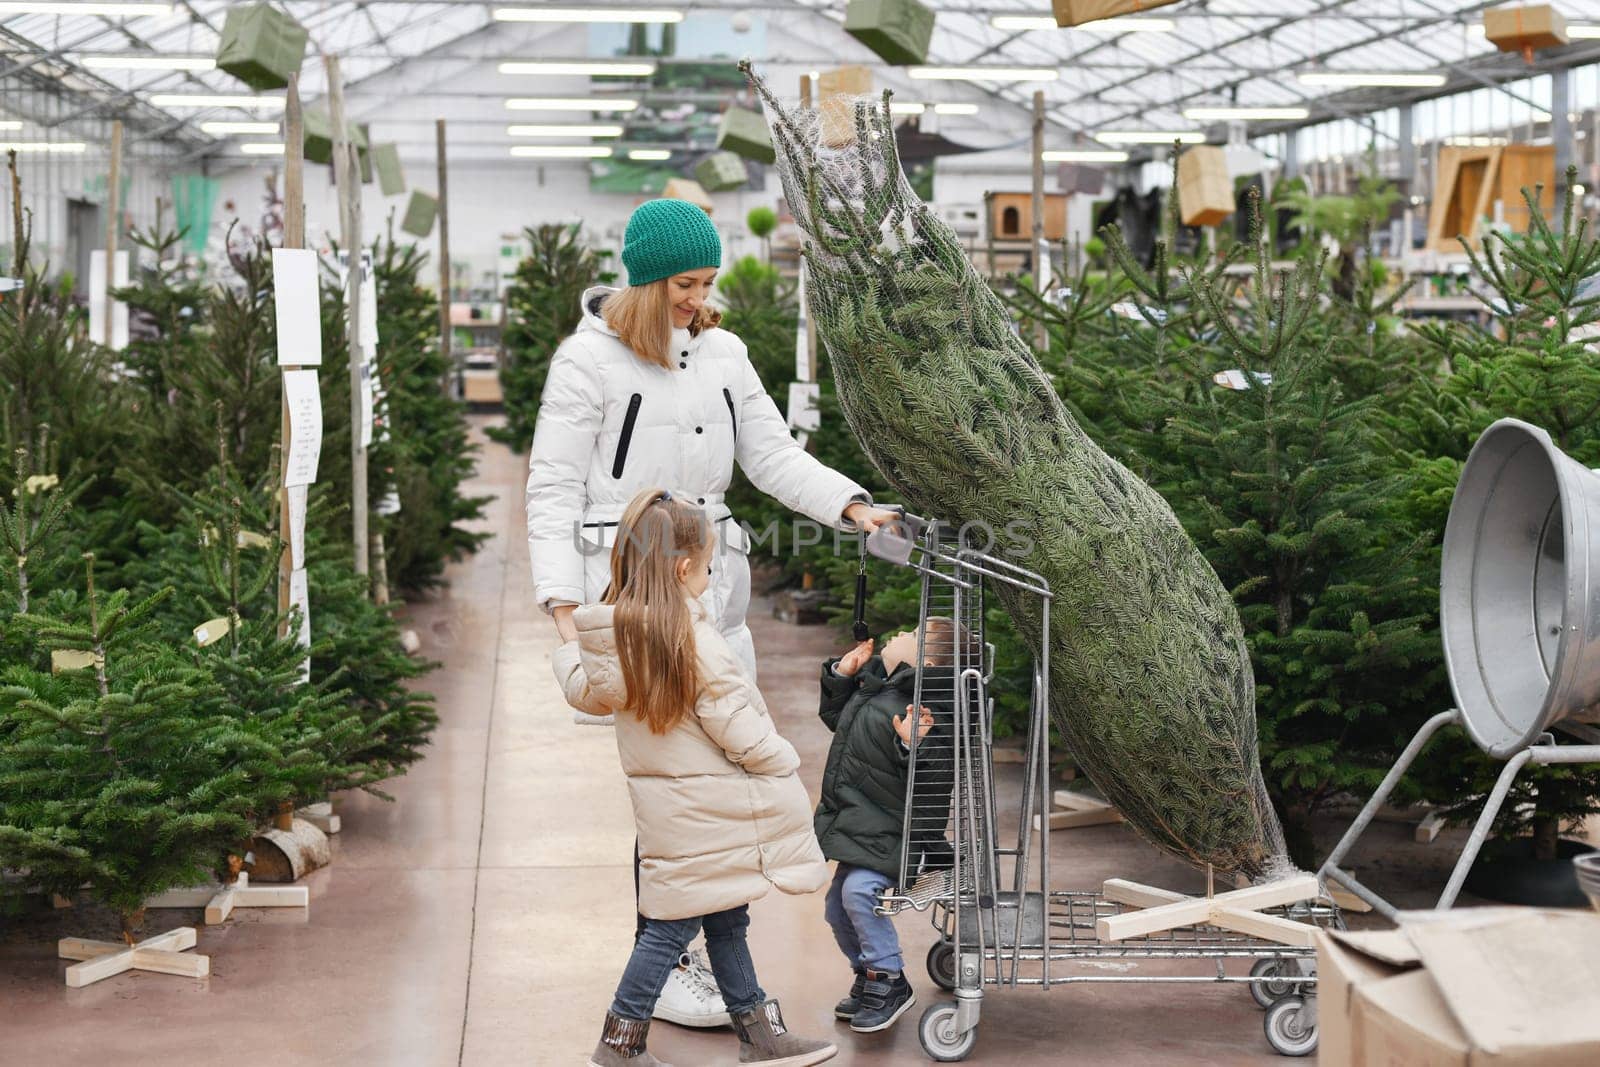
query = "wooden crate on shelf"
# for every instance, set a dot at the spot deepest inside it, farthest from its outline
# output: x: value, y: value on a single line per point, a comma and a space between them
x: 1472, y: 181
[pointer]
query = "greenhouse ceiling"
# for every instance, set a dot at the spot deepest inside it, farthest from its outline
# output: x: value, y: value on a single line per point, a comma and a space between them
x: 74, y: 63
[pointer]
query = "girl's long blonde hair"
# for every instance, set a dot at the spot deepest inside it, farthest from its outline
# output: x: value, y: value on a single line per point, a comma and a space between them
x: 642, y: 317
x: 655, y: 633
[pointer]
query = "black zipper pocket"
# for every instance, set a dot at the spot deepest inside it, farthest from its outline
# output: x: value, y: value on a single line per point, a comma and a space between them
x: 627, y: 435
x: 733, y: 418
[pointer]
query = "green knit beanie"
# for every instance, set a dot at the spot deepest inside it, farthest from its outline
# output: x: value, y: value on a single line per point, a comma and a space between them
x: 667, y: 237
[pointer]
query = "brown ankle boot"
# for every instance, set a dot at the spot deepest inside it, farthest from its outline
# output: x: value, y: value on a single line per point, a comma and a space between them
x: 763, y: 1039
x: 622, y: 1044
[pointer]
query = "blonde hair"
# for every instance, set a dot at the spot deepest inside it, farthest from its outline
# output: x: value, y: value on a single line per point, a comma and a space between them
x: 939, y: 639
x: 655, y: 633
x: 642, y: 317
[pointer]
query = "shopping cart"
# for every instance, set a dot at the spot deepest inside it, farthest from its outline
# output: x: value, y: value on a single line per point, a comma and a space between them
x: 987, y: 884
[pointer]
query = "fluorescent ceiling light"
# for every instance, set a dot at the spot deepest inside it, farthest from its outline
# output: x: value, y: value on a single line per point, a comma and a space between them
x: 577, y: 14
x: 149, y: 62
x: 592, y: 68
x: 253, y: 103
x: 1372, y: 79
x: 1150, y: 136
x: 592, y: 130
x: 1129, y: 25
x: 985, y: 74
x: 1244, y: 114
x: 569, y: 103
x: 1581, y: 32
x: 907, y: 108
x: 1024, y: 22
x: 130, y: 10
x: 955, y: 109
x: 261, y: 148
x: 65, y: 148
x: 560, y: 151
x: 1085, y: 155
x: 10, y: 124
x: 649, y: 154
x: 222, y: 129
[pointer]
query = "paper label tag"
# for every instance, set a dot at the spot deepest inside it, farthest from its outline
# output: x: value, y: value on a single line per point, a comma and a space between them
x: 70, y: 659
x: 212, y: 630
x: 251, y: 539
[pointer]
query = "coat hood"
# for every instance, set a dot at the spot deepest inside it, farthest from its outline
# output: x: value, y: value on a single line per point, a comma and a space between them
x: 591, y: 300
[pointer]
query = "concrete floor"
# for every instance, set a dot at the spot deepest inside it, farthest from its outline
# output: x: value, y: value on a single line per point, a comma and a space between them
x: 484, y: 917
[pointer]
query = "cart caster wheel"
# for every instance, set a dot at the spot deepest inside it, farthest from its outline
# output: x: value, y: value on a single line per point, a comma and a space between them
x: 939, y: 1038
x: 1286, y: 1033
x: 942, y: 965
x: 1267, y: 992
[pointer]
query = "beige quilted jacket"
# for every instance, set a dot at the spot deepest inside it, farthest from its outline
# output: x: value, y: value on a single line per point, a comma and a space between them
x: 720, y: 810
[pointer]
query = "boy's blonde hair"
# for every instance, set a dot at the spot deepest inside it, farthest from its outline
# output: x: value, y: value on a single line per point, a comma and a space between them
x: 943, y: 637
x: 655, y: 633
x: 642, y: 317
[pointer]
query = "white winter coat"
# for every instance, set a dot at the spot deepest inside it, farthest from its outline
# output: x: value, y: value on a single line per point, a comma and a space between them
x: 721, y: 812
x: 611, y: 424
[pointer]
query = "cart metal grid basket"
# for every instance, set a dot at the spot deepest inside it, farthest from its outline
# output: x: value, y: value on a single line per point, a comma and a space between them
x: 982, y: 881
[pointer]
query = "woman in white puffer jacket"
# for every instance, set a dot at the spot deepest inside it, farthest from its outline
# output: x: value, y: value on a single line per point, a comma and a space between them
x: 623, y: 411
x: 650, y: 392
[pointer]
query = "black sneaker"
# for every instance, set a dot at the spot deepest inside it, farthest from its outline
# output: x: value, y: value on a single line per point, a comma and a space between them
x: 884, y: 998
x: 847, y: 1008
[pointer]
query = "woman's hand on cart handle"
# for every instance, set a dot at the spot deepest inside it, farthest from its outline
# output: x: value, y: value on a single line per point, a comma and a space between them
x: 868, y: 518
x: 902, y: 725
x: 853, y: 660
x: 568, y: 629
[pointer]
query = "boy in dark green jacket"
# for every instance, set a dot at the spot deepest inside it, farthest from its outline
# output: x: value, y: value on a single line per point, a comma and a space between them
x: 861, y: 819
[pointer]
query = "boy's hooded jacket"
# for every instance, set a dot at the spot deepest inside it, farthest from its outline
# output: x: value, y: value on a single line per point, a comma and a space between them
x: 721, y: 813
x: 861, y: 817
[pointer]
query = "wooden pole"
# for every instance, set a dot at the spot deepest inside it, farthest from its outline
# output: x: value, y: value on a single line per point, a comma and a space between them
x: 294, y: 236
x: 1041, y: 253
x: 444, y: 259
x: 113, y: 218
x: 348, y: 180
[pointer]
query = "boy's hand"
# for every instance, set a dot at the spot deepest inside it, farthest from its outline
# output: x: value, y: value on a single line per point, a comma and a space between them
x: 902, y: 725
x: 854, y: 659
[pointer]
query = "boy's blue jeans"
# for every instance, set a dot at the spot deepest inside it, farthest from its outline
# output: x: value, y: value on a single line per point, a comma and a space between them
x: 662, y: 942
x: 867, y: 939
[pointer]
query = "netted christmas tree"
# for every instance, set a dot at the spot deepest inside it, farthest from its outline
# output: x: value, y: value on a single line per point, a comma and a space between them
x: 1150, y: 675
x: 542, y: 309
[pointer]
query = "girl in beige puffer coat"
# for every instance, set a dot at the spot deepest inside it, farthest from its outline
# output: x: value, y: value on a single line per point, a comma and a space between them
x: 721, y: 813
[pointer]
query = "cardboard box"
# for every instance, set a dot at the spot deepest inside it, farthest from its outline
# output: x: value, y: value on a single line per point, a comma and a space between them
x: 1511, y: 987
x: 261, y: 46
x: 1205, y: 192
x: 1077, y: 12
x: 421, y: 210
x: 684, y: 189
x: 838, y: 92
x: 1524, y: 28
x: 745, y: 133
x: 721, y: 171
x: 897, y: 30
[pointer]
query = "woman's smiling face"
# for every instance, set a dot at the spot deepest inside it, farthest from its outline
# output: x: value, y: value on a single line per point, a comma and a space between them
x: 688, y: 293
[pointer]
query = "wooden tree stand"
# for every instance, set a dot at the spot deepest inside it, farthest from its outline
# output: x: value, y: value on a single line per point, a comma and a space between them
x: 321, y: 816
x: 1238, y: 910
x: 163, y: 953
x: 220, y: 900
x: 1080, y: 810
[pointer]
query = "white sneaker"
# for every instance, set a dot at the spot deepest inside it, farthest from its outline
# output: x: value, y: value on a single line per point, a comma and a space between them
x: 583, y: 718
x: 691, y: 997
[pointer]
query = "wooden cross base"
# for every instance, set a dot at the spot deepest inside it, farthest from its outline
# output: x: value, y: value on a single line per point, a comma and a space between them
x: 163, y: 953
x: 1081, y: 810
x: 1238, y: 910
x: 321, y: 816
x: 219, y: 901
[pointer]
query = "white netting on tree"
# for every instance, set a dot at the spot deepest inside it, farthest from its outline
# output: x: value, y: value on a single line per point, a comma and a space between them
x: 1150, y: 679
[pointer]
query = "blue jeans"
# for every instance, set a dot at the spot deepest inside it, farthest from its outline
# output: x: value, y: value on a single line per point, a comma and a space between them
x: 660, y: 944
x: 867, y: 939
